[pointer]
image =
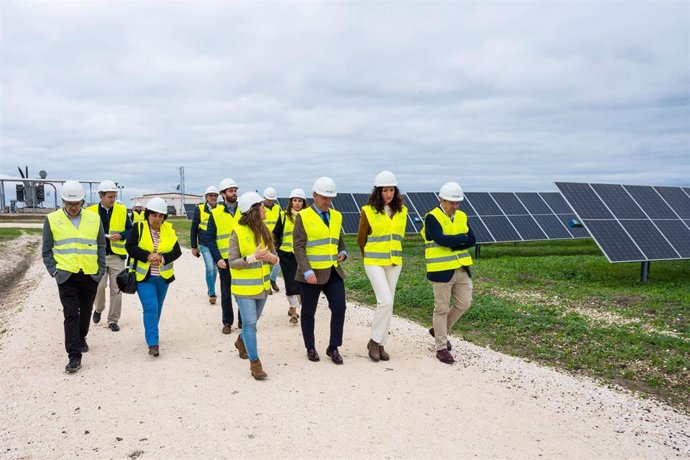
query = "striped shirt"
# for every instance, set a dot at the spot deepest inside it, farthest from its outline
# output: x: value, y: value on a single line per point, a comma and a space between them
x: 156, y: 237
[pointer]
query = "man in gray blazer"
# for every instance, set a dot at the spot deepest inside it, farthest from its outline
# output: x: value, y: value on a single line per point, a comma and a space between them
x: 319, y: 249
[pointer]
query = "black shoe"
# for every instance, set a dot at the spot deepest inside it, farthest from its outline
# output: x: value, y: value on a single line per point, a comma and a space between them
x: 96, y: 317
x: 448, y: 345
x: 73, y: 366
x: 274, y: 286
x: 113, y: 327
x: 313, y: 355
x: 84, y: 346
x: 334, y: 355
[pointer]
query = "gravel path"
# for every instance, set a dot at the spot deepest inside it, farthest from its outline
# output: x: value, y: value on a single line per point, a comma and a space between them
x: 198, y: 399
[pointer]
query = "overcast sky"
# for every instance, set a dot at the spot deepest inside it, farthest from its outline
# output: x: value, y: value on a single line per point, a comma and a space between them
x: 499, y: 96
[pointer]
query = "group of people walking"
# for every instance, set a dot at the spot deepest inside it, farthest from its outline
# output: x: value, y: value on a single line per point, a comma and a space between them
x: 247, y: 241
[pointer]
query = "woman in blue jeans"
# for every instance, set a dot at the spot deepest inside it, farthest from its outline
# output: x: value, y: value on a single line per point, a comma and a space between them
x: 251, y: 255
x: 153, y: 245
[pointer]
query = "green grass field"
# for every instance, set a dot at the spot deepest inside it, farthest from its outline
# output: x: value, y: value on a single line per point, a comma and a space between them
x: 562, y: 304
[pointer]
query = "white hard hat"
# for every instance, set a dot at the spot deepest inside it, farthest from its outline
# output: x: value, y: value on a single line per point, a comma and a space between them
x: 72, y: 191
x: 137, y: 204
x: 325, y: 186
x: 247, y: 200
x: 157, y: 204
x: 107, y: 186
x: 385, y: 179
x: 270, y: 193
x: 211, y: 189
x: 451, y: 191
x: 226, y: 184
x: 298, y: 193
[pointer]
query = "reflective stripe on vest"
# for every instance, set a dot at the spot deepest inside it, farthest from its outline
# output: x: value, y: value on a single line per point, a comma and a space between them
x: 384, y: 245
x: 73, y: 248
x: 255, y: 279
x: 439, y: 258
x: 118, y: 220
x: 272, y: 216
x: 322, y: 241
x: 288, y: 226
x: 137, y: 216
x: 168, y: 238
x: 225, y: 223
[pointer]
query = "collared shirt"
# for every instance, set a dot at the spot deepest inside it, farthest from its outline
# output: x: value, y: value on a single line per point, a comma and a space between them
x: 75, y: 220
x: 324, y: 215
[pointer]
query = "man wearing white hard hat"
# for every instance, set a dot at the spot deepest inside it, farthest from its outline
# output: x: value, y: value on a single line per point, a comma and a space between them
x: 448, y: 237
x: 319, y: 249
x: 74, y: 254
x: 381, y: 230
x: 283, y: 233
x: 221, y: 223
x: 116, y: 225
x: 137, y: 212
x: 200, y: 240
x: 272, y: 208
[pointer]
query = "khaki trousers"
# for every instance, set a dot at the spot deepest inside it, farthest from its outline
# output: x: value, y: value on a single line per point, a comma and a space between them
x: 113, y: 266
x: 445, y: 316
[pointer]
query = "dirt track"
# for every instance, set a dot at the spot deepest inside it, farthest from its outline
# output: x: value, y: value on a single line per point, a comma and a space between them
x: 198, y: 399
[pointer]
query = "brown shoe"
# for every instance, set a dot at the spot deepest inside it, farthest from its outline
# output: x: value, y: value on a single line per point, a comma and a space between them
x: 384, y: 356
x: 334, y: 355
x: 445, y: 357
x: 239, y: 344
x: 448, y: 345
x: 374, y: 353
x: 274, y: 286
x: 227, y: 329
x: 212, y: 299
x: 257, y: 371
x: 312, y: 355
x: 154, y: 350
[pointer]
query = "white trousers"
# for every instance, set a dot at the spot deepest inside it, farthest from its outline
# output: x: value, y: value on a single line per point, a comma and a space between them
x: 383, y: 280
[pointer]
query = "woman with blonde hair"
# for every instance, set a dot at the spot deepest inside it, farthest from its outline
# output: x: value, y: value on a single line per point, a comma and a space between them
x: 251, y: 256
x: 381, y: 231
x: 283, y: 237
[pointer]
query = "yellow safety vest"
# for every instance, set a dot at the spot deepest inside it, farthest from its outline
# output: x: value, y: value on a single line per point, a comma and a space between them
x: 75, y: 249
x: 137, y: 216
x: 272, y: 216
x: 322, y: 241
x: 439, y: 258
x: 384, y: 245
x: 254, y: 280
x: 168, y: 238
x: 118, y: 220
x: 288, y: 226
x: 225, y: 223
x: 203, y: 216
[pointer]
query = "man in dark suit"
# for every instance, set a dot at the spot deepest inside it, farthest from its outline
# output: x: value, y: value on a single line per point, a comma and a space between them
x: 319, y: 249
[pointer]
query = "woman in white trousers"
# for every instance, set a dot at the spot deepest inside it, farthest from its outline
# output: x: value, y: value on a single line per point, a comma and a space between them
x: 381, y: 231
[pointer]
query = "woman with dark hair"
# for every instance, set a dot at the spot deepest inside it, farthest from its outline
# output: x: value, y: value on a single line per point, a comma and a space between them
x: 153, y: 244
x: 283, y: 238
x: 381, y: 231
x: 251, y: 255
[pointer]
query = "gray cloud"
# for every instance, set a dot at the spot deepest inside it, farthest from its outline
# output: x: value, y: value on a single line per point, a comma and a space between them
x: 498, y: 95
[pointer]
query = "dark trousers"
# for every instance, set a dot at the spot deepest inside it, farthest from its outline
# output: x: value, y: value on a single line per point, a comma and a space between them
x: 77, y: 295
x: 226, y: 295
x: 334, y: 290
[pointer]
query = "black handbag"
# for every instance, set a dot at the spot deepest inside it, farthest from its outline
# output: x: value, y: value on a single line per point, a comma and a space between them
x: 127, y: 279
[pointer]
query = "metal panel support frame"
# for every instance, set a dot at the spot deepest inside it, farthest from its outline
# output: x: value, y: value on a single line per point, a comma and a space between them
x: 476, y: 251
x: 644, y: 271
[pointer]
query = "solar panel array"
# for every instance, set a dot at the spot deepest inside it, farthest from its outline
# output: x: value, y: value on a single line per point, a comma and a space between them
x: 633, y: 223
x: 494, y: 217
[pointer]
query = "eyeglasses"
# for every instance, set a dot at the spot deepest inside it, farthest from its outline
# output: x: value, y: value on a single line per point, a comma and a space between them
x: 72, y: 204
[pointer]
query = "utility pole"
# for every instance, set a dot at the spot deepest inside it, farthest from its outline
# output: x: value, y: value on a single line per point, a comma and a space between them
x: 183, y: 195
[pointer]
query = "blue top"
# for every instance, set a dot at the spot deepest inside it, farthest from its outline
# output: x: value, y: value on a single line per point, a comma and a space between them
x: 197, y: 235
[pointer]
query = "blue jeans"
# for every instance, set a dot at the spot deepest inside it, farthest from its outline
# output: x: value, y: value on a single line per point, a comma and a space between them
x: 152, y: 294
x: 250, y: 310
x: 275, y: 271
x: 211, y: 269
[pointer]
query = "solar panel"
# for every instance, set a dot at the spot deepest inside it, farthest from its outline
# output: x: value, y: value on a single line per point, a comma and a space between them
x: 350, y: 222
x: 283, y: 202
x: 481, y: 233
x: 556, y: 202
x: 633, y: 223
x: 361, y: 199
x: 483, y: 204
x: 677, y: 199
x: 423, y: 202
x: 534, y: 203
x: 509, y: 203
x: 189, y: 210
x: 552, y: 226
x: 501, y: 229
x: 528, y: 228
x: 345, y: 203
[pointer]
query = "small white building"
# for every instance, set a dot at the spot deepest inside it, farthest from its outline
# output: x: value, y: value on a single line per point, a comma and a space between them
x: 171, y: 198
